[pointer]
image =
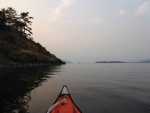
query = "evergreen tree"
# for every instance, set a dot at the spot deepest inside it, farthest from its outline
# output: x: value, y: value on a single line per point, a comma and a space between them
x: 10, y: 18
x: 26, y: 20
x: 10, y: 21
x: 2, y: 20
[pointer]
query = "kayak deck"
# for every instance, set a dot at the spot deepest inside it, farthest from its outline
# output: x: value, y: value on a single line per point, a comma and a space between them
x: 64, y: 103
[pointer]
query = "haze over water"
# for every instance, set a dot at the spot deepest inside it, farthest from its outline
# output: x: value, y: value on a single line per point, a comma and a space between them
x: 89, y: 30
x: 99, y: 88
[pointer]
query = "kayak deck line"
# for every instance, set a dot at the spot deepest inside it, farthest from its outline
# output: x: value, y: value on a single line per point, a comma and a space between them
x: 64, y: 103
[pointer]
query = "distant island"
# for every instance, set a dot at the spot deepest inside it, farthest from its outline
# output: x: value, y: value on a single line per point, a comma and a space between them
x: 16, y: 41
x: 110, y: 62
x: 143, y: 61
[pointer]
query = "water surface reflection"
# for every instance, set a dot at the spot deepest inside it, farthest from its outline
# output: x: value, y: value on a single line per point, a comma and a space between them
x: 16, y: 83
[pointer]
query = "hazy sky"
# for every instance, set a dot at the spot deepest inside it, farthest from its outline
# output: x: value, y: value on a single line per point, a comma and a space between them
x: 90, y: 30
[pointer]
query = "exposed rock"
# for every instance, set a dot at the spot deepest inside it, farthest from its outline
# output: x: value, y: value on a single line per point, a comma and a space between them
x: 16, y: 50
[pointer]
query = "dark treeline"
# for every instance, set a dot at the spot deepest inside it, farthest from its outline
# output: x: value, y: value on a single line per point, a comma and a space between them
x: 16, y: 43
x: 16, y: 23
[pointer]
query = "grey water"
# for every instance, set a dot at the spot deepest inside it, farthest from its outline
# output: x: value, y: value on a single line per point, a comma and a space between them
x: 95, y: 88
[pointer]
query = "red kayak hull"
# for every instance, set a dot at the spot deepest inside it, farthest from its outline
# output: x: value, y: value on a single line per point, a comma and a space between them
x: 69, y: 106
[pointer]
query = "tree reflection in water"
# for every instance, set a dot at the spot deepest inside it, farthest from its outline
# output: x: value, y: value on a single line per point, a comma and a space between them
x: 16, y: 84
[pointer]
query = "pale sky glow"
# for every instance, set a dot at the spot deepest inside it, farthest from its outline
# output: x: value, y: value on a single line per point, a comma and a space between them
x: 143, y: 8
x: 57, y: 12
x: 122, y: 12
x: 90, y: 30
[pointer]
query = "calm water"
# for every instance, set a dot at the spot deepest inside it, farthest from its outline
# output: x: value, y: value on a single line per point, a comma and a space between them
x: 95, y: 88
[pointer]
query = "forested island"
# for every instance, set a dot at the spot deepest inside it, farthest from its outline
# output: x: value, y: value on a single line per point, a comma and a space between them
x: 143, y: 61
x: 110, y: 62
x: 16, y: 42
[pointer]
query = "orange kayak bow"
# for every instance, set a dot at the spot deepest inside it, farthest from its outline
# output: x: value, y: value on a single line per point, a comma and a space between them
x: 64, y: 103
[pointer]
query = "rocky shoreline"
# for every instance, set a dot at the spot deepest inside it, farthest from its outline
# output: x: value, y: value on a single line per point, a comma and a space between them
x: 17, y: 46
x: 16, y: 51
x: 11, y: 64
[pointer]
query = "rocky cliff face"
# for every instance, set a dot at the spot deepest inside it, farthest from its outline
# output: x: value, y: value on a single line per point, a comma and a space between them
x: 15, y: 49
